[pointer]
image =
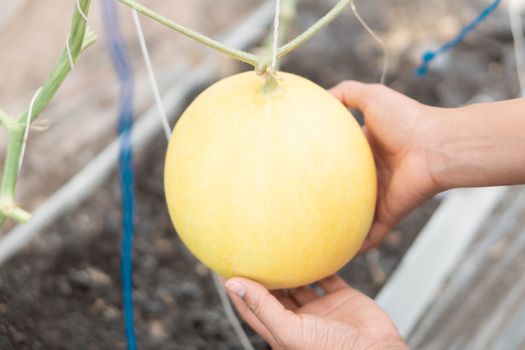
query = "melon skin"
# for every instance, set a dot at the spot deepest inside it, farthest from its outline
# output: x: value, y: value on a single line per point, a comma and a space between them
x: 279, y: 188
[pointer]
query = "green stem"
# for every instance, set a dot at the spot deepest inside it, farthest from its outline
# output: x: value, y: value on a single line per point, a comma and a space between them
x: 310, y: 32
x: 261, y: 65
x: 14, y: 147
x: 12, y: 211
x: 237, y: 54
x: 4, y: 119
x: 7, y: 189
x: 271, y: 85
x: 288, y: 11
x: 79, y: 39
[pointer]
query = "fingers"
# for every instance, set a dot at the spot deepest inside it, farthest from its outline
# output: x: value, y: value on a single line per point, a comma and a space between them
x: 250, y: 318
x: 368, y: 244
x: 357, y: 95
x: 285, y: 299
x: 303, y: 295
x: 261, y: 310
x: 376, y: 234
x: 332, y: 284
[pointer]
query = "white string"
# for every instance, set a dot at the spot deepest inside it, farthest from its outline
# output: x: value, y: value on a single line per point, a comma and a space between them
x: 276, y: 21
x: 151, y: 74
x: 226, y: 305
x: 230, y: 314
x: 68, y: 46
x: 516, y: 25
x: 384, y: 70
x: 81, y: 12
x: 69, y: 55
x: 26, y: 132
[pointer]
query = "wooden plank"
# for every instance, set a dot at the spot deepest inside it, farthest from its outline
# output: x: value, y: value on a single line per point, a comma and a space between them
x: 435, y: 253
x: 482, y: 306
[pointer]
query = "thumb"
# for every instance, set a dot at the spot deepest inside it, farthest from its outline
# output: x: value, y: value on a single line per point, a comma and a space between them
x: 356, y: 95
x: 261, y: 310
x: 363, y: 96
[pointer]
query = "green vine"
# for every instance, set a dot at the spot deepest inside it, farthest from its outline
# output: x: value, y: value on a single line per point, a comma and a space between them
x: 261, y: 64
x: 237, y: 54
x: 5, y: 121
x: 80, y: 37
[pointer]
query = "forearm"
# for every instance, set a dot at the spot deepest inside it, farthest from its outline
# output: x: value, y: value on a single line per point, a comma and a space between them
x: 479, y: 145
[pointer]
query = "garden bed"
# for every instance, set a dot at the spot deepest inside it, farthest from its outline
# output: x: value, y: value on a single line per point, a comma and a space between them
x: 63, y: 291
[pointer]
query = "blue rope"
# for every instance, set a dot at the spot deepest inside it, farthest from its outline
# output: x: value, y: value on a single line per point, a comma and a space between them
x: 123, y: 69
x: 430, y: 55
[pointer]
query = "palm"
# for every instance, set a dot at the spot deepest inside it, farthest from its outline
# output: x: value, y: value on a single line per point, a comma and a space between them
x: 395, y: 129
x: 338, y: 296
x: 357, y: 319
x: 300, y: 318
x: 343, y: 306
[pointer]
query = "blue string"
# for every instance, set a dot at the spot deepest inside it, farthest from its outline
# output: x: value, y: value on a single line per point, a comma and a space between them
x: 430, y: 55
x: 123, y: 69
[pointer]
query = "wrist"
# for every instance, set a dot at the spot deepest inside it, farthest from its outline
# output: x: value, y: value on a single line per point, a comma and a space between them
x: 428, y: 145
x: 440, y: 165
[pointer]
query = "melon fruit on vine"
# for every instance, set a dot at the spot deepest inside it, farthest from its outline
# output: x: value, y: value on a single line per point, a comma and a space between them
x: 276, y: 186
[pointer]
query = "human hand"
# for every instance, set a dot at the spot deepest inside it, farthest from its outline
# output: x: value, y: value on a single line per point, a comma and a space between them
x: 301, y: 319
x: 400, y: 131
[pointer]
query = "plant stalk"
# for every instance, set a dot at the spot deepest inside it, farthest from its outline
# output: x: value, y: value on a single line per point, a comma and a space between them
x: 4, y: 119
x: 237, y: 54
x: 79, y: 39
x: 261, y: 65
x: 288, y: 11
x: 7, y: 190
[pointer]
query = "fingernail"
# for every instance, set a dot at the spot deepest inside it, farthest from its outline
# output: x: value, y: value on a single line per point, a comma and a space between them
x: 236, y: 288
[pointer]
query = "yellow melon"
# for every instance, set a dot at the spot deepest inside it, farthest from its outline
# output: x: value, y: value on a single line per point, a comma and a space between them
x: 277, y: 187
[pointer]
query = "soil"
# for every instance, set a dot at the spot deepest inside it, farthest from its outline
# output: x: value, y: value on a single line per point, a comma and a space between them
x: 63, y: 291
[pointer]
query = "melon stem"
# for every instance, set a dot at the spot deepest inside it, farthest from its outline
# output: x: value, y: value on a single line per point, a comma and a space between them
x: 271, y: 84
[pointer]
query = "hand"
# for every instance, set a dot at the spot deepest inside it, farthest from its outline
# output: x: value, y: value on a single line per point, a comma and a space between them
x: 301, y: 319
x: 400, y: 131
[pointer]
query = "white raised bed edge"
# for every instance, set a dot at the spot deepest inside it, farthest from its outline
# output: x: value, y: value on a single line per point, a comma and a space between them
x: 435, y: 253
